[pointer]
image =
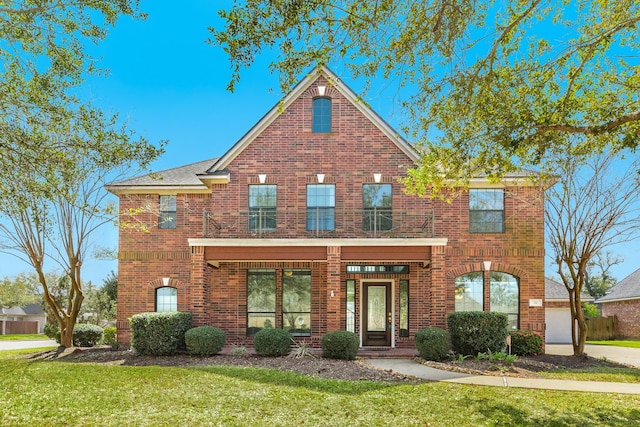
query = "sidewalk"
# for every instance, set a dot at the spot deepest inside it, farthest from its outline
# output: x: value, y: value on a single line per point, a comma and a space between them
x: 17, y: 345
x: 625, y: 355
x: 411, y: 368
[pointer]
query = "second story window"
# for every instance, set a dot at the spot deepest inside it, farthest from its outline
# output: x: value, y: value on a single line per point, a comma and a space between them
x: 167, y: 217
x: 262, y: 207
x: 321, y: 207
x: 321, y: 115
x: 486, y: 211
x: 376, y: 204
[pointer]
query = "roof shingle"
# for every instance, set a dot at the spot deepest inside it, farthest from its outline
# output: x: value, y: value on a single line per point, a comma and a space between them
x: 626, y: 289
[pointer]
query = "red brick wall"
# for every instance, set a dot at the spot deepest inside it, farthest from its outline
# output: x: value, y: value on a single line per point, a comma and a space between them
x: 291, y: 156
x: 518, y: 251
x: 628, y: 314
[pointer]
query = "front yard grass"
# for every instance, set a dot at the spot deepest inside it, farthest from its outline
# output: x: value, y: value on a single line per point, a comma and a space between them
x: 86, y: 394
x: 23, y: 337
x: 617, y: 343
x: 603, y: 373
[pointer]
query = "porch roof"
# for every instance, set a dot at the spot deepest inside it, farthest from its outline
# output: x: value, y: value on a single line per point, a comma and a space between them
x: 263, y: 242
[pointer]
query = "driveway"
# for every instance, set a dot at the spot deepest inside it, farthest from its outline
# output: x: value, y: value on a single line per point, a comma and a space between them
x: 628, y: 356
x: 17, y: 345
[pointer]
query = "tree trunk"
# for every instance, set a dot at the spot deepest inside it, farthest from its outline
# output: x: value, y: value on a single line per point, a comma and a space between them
x: 66, y: 333
x: 578, y: 322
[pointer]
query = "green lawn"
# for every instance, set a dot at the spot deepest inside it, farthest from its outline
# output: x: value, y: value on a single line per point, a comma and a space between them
x: 630, y: 344
x: 62, y: 393
x: 616, y: 375
x: 22, y: 337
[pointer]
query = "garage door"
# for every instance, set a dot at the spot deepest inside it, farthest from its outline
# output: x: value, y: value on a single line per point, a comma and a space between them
x: 558, y: 322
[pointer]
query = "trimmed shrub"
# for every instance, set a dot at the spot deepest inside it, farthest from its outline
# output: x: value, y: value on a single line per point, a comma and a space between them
x: 433, y: 344
x: 340, y: 345
x: 526, y: 343
x: 86, y: 335
x: 52, y: 330
x: 474, y: 332
x: 110, y: 337
x: 204, y: 340
x: 272, y: 342
x: 159, y: 334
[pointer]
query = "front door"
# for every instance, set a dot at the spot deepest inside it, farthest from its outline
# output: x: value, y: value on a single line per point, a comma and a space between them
x: 376, y: 313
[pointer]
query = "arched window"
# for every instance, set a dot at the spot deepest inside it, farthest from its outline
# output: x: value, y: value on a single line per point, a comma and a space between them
x: 166, y: 299
x: 321, y: 115
x: 505, y: 296
x: 469, y: 292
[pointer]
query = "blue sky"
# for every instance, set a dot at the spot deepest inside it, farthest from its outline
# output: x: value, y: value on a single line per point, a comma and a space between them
x: 168, y: 83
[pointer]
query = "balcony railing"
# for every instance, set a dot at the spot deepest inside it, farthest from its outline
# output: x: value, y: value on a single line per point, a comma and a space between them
x: 319, y: 223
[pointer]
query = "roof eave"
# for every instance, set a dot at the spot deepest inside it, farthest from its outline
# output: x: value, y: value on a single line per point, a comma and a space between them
x: 211, y: 179
x: 600, y: 301
x: 157, y: 189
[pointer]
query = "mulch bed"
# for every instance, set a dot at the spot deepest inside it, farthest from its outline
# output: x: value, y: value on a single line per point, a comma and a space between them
x: 523, y: 367
x: 353, y: 370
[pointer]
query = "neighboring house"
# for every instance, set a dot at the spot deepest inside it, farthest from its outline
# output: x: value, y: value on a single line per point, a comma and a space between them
x: 27, y: 313
x: 304, y: 225
x: 557, y: 311
x: 623, y: 301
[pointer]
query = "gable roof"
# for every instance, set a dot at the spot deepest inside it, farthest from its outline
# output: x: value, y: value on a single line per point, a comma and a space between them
x: 170, y: 180
x: 556, y: 291
x: 198, y: 177
x: 296, y: 92
x: 29, y: 309
x: 626, y: 289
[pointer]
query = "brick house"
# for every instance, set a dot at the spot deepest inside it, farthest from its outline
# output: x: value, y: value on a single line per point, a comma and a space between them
x: 303, y: 225
x: 623, y: 301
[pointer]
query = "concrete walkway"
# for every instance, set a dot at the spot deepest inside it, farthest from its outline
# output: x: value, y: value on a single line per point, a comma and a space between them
x: 17, y: 345
x: 624, y: 355
x: 407, y: 366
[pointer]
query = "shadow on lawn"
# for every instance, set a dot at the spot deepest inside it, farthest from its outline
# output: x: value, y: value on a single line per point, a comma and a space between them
x: 509, y: 415
x: 291, y: 379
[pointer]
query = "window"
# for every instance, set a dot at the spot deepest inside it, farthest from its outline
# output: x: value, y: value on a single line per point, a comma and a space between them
x: 404, y: 308
x: 263, y: 293
x: 486, y: 211
x: 167, y: 212
x: 376, y: 203
x: 166, y: 299
x: 505, y: 296
x: 321, y: 115
x: 351, y: 305
x: 262, y: 207
x: 296, y: 302
x: 321, y: 203
x: 261, y: 300
x: 469, y: 294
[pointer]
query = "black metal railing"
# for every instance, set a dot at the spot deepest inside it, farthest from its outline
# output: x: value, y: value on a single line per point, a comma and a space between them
x: 319, y: 223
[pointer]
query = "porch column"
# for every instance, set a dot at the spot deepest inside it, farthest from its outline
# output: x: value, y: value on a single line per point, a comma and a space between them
x: 199, y: 292
x: 333, y: 288
x: 439, y: 289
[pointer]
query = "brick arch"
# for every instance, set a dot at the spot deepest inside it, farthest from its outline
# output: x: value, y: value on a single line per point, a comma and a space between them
x: 329, y: 91
x: 173, y: 283
x: 502, y: 267
x: 464, y: 269
x: 183, y: 292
